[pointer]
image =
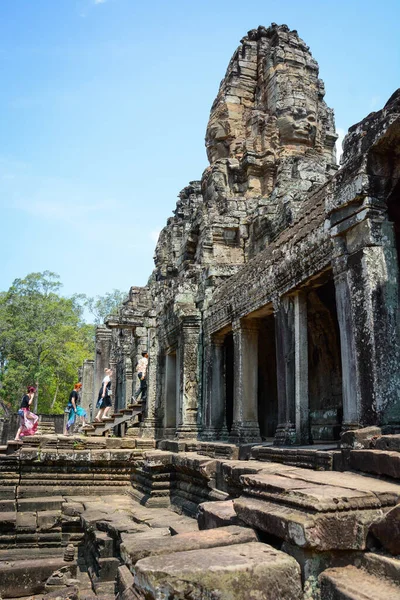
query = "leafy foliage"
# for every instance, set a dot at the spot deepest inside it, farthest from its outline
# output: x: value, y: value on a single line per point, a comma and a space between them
x: 43, y: 342
x: 103, y: 306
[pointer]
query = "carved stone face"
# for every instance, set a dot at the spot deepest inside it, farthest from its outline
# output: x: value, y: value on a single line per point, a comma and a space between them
x: 298, y: 125
x: 217, y: 143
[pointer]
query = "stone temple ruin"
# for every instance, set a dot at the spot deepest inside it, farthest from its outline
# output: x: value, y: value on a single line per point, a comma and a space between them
x: 265, y: 463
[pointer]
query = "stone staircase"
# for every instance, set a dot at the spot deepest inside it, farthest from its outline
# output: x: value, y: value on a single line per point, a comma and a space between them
x: 119, y: 418
x: 45, y: 427
x: 11, y: 447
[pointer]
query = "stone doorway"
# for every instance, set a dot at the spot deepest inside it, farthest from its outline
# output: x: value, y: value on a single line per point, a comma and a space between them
x: 267, y: 378
x: 324, y: 363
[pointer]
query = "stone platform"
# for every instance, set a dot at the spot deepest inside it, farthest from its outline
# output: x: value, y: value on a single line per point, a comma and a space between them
x: 191, y: 524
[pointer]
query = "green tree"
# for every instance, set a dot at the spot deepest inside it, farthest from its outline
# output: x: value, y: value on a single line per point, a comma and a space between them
x: 43, y: 341
x: 103, y: 306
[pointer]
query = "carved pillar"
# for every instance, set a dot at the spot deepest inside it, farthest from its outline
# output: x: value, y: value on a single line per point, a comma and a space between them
x: 188, y: 375
x: 214, y: 390
x: 87, y: 386
x: 292, y: 370
x: 102, y: 360
x: 245, y: 427
x: 367, y: 296
x: 128, y: 380
x: 150, y: 422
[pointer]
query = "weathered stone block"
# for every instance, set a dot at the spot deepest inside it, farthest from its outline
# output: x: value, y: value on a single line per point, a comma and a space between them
x: 387, y: 530
x: 26, y: 522
x: 350, y: 583
x: 136, y: 549
x: 359, y: 438
x: 342, y: 530
x: 27, y: 577
x: 216, y: 514
x: 388, y: 442
x: 48, y: 520
x: 7, y: 522
x: 253, y: 571
x: 377, y: 462
x: 40, y: 504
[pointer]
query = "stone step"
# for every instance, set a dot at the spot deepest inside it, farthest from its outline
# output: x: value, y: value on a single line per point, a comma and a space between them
x: 124, y: 415
x: 316, y: 510
x: 13, y: 446
x: 351, y: 583
x: 40, y: 504
x: 227, y: 573
x: 216, y: 514
x: 376, y: 462
x: 134, y: 549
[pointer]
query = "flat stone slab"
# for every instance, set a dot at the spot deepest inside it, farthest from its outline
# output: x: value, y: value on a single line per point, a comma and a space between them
x: 377, y: 462
x: 350, y: 583
x: 137, y: 548
x: 388, y: 442
x: 216, y: 514
x: 334, y: 492
x: 27, y: 577
x: 340, y: 530
x: 252, y: 571
x: 47, y: 503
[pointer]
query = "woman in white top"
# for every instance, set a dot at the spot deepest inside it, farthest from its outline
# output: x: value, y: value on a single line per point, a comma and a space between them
x: 104, y: 398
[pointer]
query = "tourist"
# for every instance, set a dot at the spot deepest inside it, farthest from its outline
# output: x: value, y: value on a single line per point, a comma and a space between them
x: 28, y: 421
x: 141, y: 370
x: 74, y: 409
x: 104, y: 398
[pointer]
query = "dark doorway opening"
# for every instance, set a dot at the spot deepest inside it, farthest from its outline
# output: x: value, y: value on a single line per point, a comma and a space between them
x: 170, y: 391
x: 228, y: 349
x: 393, y: 204
x: 267, y: 378
x: 324, y: 364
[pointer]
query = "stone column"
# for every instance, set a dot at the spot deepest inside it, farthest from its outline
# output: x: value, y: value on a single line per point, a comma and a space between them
x: 188, y: 364
x: 292, y: 370
x: 367, y: 296
x: 350, y: 397
x: 245, y: 427
x: 87, y: 386
x: 128, y: 384
x: 150, y: 424
x: 214, y: 390
x: 102, y: 359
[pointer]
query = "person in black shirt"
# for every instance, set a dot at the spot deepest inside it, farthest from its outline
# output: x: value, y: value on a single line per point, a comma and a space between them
x: 74, y: 409
x: 28, y: 421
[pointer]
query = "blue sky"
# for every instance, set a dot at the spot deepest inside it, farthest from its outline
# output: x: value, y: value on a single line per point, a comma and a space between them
x: 104, y: 105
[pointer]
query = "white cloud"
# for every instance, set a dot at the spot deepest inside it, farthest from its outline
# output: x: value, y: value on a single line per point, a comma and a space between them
x: 341, y: 133
x: 100, y: 1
